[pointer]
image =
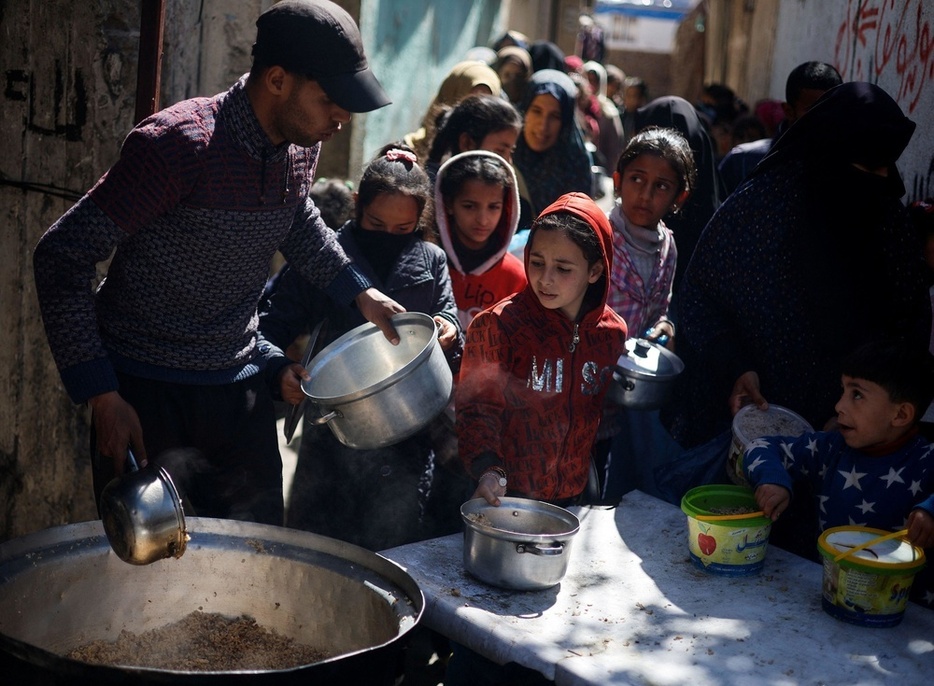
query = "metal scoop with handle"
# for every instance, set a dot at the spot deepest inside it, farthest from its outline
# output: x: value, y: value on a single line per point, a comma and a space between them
x: 142, y: 514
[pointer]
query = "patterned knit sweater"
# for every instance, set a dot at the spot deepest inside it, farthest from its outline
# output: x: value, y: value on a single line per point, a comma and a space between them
x: 193, y: 211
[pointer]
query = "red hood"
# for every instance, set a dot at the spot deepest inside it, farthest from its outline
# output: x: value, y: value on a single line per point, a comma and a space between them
x: 582, y: 206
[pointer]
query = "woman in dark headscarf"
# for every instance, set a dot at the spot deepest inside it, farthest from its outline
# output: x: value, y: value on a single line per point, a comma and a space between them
x: 550, y: 153
x: 811, y: 256
x: 672, y: 112
x: 546, y: 55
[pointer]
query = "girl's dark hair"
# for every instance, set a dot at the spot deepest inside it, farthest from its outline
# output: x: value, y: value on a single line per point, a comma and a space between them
x: 395, y: 170
x: 576, y: 229
x: 905, y: 371
x: 484, y: 168
x: 668, y: 144
x: 584, y: 237
x: 476, y: 115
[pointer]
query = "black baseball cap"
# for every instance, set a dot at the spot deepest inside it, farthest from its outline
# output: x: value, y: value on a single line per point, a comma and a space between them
x: 318, y: 39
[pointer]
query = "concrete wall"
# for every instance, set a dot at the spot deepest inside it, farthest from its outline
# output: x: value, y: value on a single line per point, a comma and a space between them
x: 886, y: 42
x: 68, y: 100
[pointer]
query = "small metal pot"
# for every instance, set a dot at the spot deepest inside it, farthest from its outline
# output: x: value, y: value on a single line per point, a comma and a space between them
x: 522, y: 544
x: 142, y: 515
x: 644, y: 375
x: 372, y: 393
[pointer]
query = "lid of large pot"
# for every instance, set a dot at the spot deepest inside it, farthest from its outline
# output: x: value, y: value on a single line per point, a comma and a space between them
x: 647, y: 359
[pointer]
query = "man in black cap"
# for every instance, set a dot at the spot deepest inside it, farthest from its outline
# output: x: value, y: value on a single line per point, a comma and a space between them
x: 165, y: 351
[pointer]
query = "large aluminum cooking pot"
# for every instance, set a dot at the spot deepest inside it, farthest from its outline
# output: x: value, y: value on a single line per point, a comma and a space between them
x: 372, y: 393
x: 644, y: 376
x: 64, y: 587
x: 523, y: 544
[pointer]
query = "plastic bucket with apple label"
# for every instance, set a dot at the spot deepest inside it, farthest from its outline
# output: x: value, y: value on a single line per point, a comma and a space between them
x: 732, y: 544
x: 869, y: 587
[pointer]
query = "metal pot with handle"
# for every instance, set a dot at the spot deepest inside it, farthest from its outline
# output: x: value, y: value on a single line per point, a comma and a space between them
x: 644, y: 375
x: 372, y: 393
x: 142, y: 514
x: 523, y: 544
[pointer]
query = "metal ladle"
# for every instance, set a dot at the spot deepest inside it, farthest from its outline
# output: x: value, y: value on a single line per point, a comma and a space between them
x: 142, y: 514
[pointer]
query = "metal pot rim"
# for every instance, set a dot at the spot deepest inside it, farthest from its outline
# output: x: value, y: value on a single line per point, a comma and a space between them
x: 477, y: 505
x: 369, y: 329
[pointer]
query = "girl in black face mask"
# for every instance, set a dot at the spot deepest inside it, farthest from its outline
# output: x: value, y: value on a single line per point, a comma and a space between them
x: 381, y: 498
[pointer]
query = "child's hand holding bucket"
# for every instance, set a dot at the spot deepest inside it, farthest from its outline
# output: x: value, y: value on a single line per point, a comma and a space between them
x: 921, y: 528
x: 772, y: 499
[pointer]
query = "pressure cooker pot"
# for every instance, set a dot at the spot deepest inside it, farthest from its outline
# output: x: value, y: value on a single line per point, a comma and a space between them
x: 644, y: 376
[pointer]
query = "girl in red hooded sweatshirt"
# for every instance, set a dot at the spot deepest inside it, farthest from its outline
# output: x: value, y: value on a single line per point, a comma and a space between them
x: 537, y: 364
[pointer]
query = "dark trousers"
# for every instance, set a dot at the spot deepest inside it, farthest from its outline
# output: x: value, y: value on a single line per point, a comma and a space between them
x: 217, y: 442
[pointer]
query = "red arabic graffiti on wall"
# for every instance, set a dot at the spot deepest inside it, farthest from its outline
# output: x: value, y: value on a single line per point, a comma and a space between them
x: 885, y: 37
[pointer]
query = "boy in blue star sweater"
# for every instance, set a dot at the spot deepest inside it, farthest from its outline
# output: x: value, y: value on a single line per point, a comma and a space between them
x: 874, y: 469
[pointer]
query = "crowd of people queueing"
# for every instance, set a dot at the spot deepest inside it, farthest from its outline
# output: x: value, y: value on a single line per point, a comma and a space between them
x: 771, y: 250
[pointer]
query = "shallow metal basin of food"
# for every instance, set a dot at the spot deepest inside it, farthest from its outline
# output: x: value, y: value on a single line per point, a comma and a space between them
x: 64, y: 587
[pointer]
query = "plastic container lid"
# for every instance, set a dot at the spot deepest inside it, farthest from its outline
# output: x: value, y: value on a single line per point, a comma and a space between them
x: 893, y: 555
x: 751, y: 423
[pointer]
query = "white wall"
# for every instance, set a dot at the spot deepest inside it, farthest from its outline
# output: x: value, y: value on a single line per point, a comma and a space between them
x: 886, y: 42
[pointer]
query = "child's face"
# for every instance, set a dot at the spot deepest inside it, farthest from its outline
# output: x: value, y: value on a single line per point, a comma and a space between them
x: 867, y: 416
x: 559, y: 273
x: 475, y: 212
x: 390, y: 212
x: 648, y: 189
x: 632, y: 99
x: 542, y: 122
x: 502, y: 142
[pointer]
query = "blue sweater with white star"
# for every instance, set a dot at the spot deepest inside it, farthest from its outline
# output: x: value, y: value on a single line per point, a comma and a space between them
x: 853, y: 488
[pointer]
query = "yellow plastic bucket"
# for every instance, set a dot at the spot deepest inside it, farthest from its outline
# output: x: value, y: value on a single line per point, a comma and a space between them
x: 725, y: 547
x: 871, y: 586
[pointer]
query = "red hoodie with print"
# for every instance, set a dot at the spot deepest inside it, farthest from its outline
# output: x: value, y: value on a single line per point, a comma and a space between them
x: 532, y: 381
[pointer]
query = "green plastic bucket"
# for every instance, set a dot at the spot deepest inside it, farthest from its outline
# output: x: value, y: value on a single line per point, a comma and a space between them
x: 871, y: 586
x: 728, y: 547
